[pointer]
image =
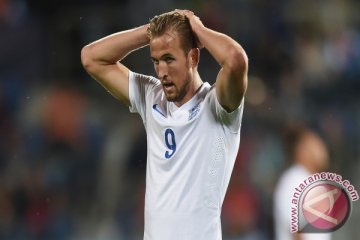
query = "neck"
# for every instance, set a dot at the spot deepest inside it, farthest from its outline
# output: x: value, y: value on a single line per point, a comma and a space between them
x: 307, y: 165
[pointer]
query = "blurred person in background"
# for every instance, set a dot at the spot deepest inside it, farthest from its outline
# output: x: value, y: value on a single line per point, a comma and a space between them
x: 193, y: 128
x: 308, y: 154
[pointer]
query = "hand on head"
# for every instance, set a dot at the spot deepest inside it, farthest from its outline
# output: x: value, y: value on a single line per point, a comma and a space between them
x: 194, y: 21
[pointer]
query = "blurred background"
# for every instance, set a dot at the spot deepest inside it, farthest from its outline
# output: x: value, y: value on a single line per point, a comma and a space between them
x: 72, y: 158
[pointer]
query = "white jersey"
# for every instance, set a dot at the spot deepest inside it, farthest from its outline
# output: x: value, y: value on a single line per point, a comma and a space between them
x: 190, y: 157
x: 284, y: 191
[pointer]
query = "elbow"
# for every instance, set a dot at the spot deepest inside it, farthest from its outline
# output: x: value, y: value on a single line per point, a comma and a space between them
x: 86, y: 58
x: 237, y: 61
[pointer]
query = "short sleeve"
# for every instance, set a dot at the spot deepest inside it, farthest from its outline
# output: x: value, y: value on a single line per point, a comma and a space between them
x: 139, y: 87
x: 231, y: 120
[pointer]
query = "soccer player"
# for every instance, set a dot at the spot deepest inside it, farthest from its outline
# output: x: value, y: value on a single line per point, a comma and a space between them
x: 308, y: 155
x: 193, y: 129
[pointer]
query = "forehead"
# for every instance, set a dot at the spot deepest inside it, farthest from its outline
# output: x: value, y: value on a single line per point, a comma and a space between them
x: 169, y: 42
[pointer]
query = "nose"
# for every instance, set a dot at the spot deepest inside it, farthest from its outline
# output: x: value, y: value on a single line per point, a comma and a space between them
x: 162, y: 70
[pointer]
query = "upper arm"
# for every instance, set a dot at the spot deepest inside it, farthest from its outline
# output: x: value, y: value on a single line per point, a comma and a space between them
x: 231, y: 82
x: 113, y: 77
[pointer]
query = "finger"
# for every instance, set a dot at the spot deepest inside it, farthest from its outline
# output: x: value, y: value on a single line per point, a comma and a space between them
x: 187, y: 13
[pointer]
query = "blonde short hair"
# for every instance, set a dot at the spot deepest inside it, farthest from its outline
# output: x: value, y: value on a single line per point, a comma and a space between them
x: 173, y: 21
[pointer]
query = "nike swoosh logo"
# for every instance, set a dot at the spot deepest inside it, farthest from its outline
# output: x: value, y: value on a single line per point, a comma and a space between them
x: 155, y: 107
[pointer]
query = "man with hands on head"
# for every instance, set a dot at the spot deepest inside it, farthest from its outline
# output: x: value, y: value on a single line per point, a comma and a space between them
x: 193, y: 129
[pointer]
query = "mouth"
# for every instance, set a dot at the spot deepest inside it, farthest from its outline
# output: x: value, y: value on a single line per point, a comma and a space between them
x: 168, y: 86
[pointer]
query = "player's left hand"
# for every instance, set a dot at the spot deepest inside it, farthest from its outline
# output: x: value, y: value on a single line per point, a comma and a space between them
x: 195, y: 22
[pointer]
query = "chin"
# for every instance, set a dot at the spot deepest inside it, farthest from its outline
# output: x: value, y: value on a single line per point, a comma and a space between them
x: 171, y: 99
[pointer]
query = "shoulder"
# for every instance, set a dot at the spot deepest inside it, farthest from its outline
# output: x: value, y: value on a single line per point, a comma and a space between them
x: 142, y: 88
x: 291, y: 178
x: 231, y: 120
x: 143, y: 79
x: 212, y: 96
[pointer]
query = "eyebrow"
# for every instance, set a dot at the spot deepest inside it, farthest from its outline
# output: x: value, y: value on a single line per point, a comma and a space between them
x: 163, y: 56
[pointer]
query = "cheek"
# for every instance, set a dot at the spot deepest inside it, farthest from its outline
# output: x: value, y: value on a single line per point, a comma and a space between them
x: 156, y: 69
x: 179, y: 71
x: 179, y: 76
x: 175, y: 71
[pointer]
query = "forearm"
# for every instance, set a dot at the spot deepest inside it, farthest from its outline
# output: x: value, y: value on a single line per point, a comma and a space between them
x: 115, y: 47
x: 224, y: 49
x: 101, y: 60
x: 231, y: 81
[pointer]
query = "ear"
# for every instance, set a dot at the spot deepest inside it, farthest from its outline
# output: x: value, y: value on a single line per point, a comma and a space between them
x: 194, y: 55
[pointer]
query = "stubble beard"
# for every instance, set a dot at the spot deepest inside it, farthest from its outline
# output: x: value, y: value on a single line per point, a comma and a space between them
x: 178, y: 94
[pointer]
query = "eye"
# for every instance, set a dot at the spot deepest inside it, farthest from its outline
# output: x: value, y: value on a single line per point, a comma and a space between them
x: 155, y: 61
x: 169, y: 59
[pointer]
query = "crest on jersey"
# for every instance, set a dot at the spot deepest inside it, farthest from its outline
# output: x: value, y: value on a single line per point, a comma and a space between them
x: 194, y: 111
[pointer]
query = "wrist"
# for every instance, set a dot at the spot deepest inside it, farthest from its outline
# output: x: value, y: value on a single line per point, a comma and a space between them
x: 144, y: 34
